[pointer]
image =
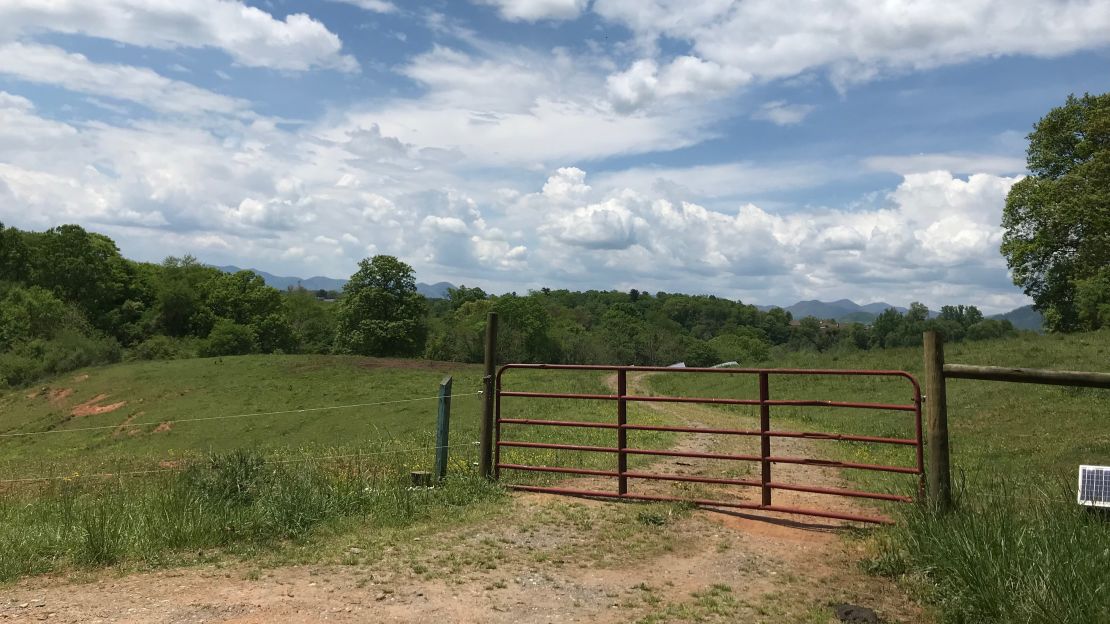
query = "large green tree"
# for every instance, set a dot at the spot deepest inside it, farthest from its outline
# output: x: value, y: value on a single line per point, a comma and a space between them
x: 1057, y: 220
x: 380, y: 312
x: 82, y: 268
x: 14, y: 263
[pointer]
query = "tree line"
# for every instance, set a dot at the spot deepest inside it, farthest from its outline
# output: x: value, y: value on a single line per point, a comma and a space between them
x: 69, y: 299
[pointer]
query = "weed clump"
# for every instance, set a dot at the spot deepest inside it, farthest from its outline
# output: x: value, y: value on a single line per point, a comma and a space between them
x: 1005, y: 554
x: 240, y: 498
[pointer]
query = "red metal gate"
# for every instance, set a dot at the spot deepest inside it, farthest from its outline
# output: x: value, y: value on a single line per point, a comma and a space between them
x: 765, y: 458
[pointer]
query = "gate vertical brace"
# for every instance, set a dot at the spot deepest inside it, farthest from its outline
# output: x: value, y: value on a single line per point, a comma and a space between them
x: 764, y: 437
x: 486, y: 441
x: 622, y: 433
x: 443, y: 427
x: 939, y: 475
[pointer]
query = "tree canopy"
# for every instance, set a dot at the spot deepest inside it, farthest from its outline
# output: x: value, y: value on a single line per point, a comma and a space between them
x: 380, y: 313
x: 1057, y: 220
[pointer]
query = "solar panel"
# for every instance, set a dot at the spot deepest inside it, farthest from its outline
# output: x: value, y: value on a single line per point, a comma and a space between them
x: 1094, y: 486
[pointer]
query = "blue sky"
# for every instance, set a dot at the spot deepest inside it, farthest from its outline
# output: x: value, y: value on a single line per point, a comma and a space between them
x: 836, y: 149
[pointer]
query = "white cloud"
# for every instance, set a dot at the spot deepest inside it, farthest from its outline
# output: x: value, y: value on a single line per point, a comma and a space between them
x: 644, y: 81
x: 376, y: 6
x: 513, y: 106
x: 729, y: 179
x: 933, y: 229
x: 781, y: 113
x: 54, y: 66
x: 856, y: 40
x: 535, y: 10
x: 568, y: 184
x: 249, y: 35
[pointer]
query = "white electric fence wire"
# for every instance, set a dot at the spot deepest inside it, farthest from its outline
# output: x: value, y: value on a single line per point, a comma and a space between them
x: 230, y: 416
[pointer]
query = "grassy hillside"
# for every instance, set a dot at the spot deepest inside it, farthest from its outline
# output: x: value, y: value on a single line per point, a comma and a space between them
x: 158, y: 392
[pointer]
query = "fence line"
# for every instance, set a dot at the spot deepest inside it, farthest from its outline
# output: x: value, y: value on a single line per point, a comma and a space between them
x: 130, y: 473
x: 230, y: 416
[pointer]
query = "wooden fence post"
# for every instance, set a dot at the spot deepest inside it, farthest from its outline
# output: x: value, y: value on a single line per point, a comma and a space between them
x: 936, y: 410
x: 443, y: 427
x: 485, y: 461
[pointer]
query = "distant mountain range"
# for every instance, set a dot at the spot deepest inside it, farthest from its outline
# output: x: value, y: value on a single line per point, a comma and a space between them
x: 431, y: 291
x: 844, y: 310
x: 1024, y: 317
x: 848, y: 311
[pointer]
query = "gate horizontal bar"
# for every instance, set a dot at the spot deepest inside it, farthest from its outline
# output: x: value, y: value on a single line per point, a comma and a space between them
x: 706, y: 503
x: 558, y: 423
x: 830, y: 463
x: 841, y: 492
x: 630, y: 451
x: 712, y: 480
x: 815, y: 435
x: 715, y: 401
x: 560, y: 469
x: 726, y: 371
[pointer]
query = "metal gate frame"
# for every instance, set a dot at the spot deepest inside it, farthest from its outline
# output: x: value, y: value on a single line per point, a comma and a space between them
x: 765, y: 433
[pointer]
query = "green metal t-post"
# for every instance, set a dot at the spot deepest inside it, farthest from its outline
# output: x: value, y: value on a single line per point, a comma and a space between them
x: 443, y: 427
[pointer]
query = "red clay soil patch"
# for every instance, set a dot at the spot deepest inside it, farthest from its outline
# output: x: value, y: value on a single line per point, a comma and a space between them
x: 124, y: 427
x: 57, y: 395
x: 90, y: 407
x: 164, y: 427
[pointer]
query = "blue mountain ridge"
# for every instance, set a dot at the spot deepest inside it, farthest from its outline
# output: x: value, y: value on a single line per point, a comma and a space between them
x: 281, y: 282
x: 843, y: 310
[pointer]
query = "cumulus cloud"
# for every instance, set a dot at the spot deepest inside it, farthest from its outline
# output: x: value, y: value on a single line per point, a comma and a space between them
x: 535, y: 10
x: 855, y: 40
x: 933, y: 228
x: 644, y: 81
x: 251, y: 36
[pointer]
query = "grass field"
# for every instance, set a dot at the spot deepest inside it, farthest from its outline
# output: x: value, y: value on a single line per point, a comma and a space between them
x: 1016, y: 550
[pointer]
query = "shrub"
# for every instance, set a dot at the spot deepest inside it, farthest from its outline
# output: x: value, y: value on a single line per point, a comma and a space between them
x: 699, y: 354
x: 228, y: 338
x: 18, y: 370
x: 161, y: 348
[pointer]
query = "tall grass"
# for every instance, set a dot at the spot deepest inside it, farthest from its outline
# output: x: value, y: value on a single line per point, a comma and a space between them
x: 1005, y: 554
x: 240, y: 498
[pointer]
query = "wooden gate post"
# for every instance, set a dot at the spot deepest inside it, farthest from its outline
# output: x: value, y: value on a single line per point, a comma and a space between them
x: 936, y: 410
x: 443, y: 427
x: 485, y: 461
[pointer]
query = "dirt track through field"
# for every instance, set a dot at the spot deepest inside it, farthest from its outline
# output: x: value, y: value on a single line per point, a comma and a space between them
x: 540, y: 559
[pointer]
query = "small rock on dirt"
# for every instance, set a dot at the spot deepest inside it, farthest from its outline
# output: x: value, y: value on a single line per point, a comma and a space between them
x: 855, y: 614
